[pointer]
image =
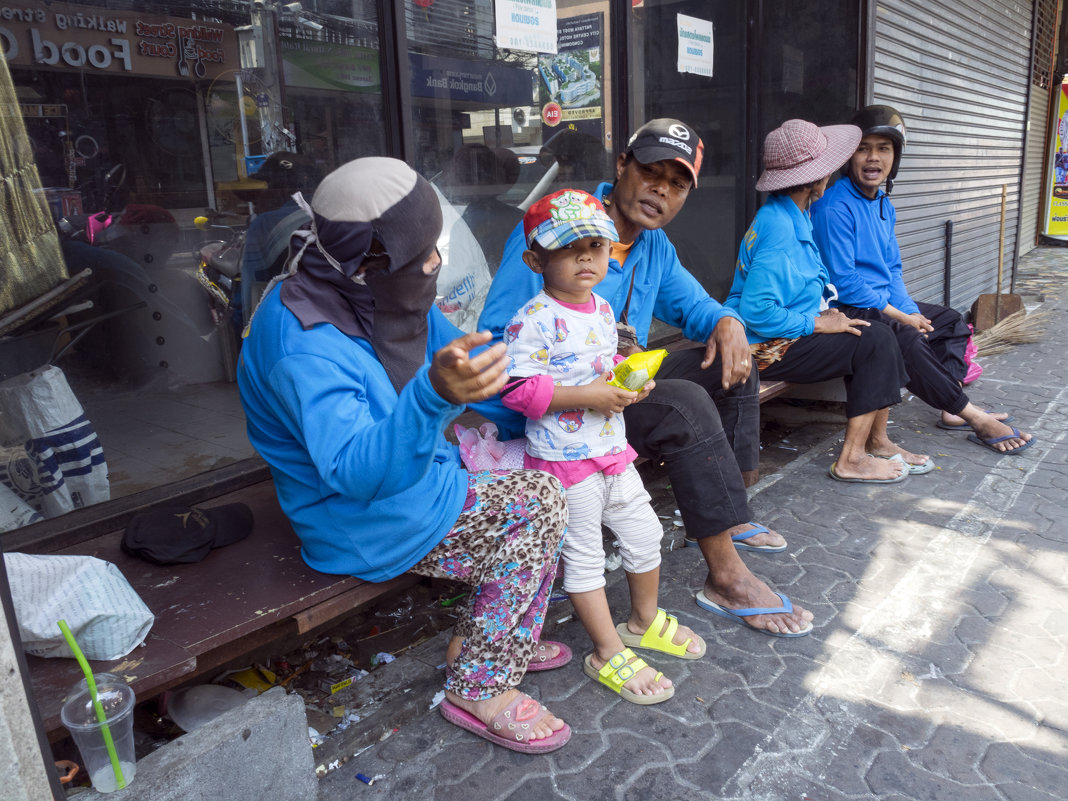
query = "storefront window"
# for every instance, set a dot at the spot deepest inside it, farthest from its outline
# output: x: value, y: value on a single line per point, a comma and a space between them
x: 706, y: 231
x: 155, y: 118
x: 808, y: 68
x: 497, y: 128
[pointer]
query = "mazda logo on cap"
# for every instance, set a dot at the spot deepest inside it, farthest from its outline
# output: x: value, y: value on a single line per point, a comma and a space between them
x: 679, y: 132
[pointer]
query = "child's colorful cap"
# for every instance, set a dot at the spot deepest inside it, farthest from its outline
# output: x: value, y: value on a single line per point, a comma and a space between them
x: 562, y: 217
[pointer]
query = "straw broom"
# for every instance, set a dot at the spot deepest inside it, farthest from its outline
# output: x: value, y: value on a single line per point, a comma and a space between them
x: 1016, y: 329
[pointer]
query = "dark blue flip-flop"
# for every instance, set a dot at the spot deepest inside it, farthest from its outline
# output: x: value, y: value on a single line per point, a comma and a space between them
x: 991, y: 442
x: 739, y: 615
x: 967, y: 426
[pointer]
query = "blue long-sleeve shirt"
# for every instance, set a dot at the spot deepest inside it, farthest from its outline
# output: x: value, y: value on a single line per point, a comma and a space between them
x: 779, y: 279
x: 365, y: 475
x: 855, y: 235
x: 663, y: 288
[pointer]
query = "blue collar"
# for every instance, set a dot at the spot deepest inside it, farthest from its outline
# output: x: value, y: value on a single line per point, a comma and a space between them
x: 801, y: 220
x: 857, y: 193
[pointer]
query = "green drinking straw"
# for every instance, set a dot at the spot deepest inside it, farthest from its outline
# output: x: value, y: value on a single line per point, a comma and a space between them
x: 101, y: 715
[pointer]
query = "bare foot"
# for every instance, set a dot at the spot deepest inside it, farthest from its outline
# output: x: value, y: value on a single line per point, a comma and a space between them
x: 770, y: 537
x: 989, y: 427
x: 487, y: 710
x: 955, y: 420
x: 746, y: 591
x: 731, y: 584
x: 644, y: 682
x: 869, y: 468
x: 885, y: 451
x: 682, y: 633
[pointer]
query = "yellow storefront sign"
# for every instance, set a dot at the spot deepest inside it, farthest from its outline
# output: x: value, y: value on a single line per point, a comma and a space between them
x: 1057, y: 221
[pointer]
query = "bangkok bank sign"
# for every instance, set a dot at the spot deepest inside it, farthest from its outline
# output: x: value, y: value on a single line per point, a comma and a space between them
x: 65, y: 37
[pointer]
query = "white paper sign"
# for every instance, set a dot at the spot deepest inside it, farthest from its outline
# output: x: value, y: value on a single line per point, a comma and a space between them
x: 526, y: 25
x: 695, y: 45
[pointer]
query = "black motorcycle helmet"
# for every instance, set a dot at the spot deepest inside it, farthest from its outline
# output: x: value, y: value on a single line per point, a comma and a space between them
x: 884, y: 121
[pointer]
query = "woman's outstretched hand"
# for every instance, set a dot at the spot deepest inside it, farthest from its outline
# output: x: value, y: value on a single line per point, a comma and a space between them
x: 461, y: 378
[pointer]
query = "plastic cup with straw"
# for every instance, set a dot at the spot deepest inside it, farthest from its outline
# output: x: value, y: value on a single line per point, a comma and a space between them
x: 101, y: 715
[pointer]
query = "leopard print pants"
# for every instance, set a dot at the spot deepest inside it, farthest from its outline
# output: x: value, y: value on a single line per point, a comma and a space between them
x: 505, y: 544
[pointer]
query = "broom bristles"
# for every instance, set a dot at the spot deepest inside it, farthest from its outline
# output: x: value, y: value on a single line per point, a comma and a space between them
x: 1016, y: 329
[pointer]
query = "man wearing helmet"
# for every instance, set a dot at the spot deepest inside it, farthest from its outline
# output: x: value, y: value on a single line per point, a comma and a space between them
x: 853, y: 225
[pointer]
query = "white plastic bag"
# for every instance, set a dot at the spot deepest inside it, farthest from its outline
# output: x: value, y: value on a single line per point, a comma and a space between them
x: 57, y: 464
x: 105, y: 614
x: 481, y: 450
x: 464, y: 278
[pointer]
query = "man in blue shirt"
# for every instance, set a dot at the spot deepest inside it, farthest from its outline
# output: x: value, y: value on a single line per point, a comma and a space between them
x: 703, y: 418
x: 853, y: 225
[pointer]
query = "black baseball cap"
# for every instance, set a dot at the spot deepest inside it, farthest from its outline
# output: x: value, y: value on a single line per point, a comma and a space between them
x: 287, y: 170
x: 173, y: 535
x: 667, y: 139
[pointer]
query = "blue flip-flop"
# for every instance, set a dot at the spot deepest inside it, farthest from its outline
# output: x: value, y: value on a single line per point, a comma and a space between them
x: 744, y: 535
x: 756, y: 529
x: 990, y: 442
x: 739, y: 615
x: 963, y: 426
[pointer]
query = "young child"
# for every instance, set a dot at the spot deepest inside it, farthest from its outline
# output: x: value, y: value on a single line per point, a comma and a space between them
x: 562, y: 347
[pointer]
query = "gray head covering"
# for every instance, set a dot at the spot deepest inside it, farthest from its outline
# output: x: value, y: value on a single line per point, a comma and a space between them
x: 367, y: 201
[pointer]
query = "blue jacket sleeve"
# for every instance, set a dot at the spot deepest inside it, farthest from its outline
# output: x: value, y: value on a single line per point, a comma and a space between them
x: 513, y: 285
x: 681, y: 301
x: 355, y: 455
x: 762, y: 304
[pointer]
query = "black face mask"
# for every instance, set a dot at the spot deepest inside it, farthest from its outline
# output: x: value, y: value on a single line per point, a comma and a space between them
x: 402, y: 300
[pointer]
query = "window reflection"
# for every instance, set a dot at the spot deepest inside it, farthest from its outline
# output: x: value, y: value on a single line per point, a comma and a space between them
x: 155, y: 118
x: 497, y: 128
x: 159, y: 117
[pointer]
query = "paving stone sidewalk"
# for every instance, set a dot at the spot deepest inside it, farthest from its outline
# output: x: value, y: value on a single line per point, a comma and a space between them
x: 938, y: 668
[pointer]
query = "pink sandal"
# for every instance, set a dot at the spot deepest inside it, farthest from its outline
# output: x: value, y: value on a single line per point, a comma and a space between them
x: 511, y: 727
x: 542, y: 660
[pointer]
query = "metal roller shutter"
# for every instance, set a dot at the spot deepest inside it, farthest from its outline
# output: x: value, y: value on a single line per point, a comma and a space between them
x: 959, y: 73
x: 1047, y: 18
x: 1034, y: 162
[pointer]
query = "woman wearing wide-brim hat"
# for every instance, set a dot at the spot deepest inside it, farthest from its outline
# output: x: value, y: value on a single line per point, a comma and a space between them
x: 779, y: 285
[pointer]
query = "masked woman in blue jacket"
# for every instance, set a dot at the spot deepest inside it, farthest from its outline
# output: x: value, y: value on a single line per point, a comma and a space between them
x: 349, y: 376
x: 779, y: 285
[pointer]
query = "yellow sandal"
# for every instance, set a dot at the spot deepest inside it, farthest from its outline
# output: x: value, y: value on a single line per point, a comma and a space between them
x: 653, y: 640
x: 620, y: 669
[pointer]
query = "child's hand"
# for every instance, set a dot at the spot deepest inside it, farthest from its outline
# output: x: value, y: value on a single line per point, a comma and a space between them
x: 643, y: 393
x: 606, y: 399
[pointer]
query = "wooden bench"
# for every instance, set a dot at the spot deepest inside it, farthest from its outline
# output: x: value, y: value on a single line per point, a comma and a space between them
x: 238, y: 598
x: 676, y: 342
